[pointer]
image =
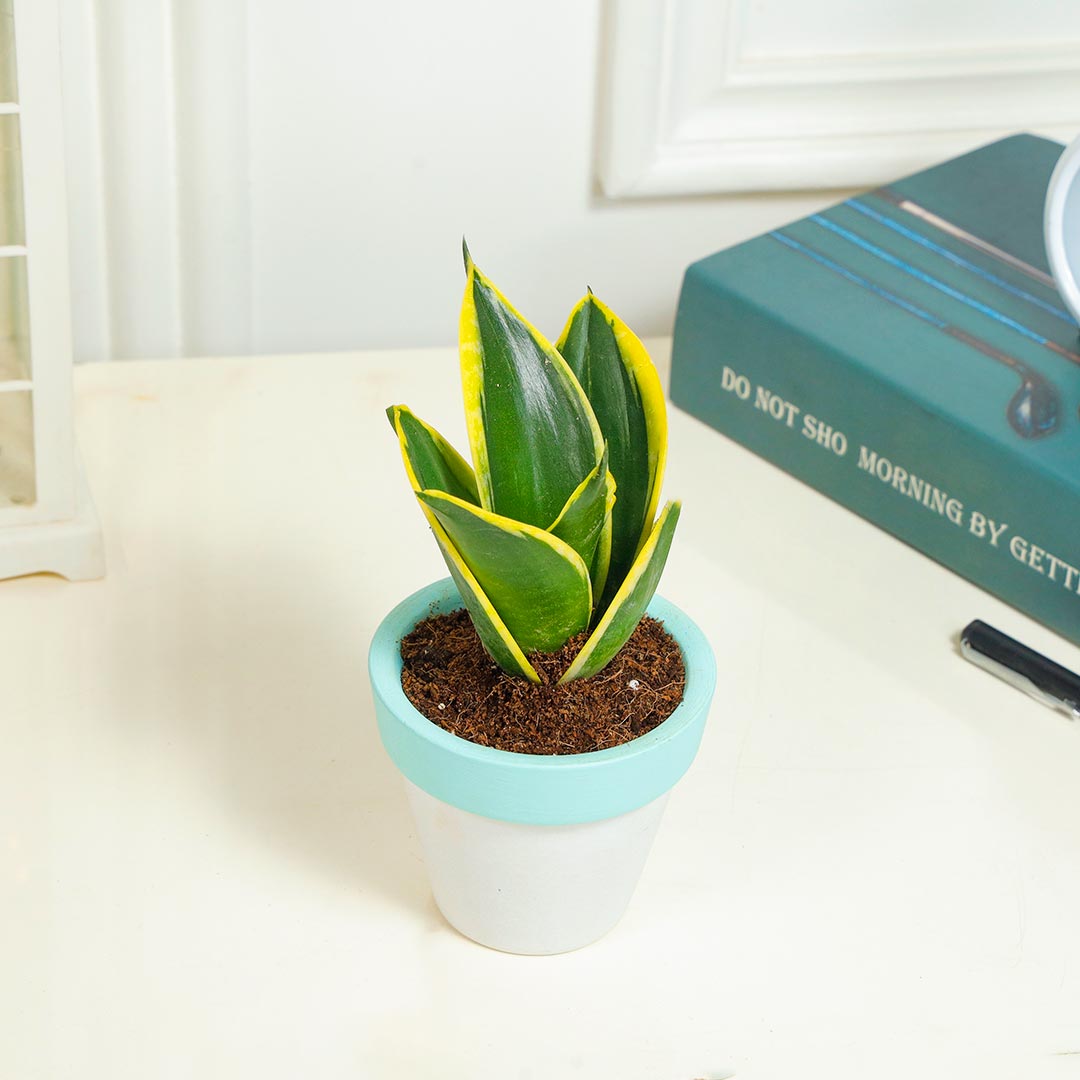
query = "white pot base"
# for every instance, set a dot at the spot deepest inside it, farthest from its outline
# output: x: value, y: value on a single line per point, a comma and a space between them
x: 532, y: 889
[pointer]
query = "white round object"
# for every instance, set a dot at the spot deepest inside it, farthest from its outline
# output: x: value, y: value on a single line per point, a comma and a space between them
x: 1061, y: 226
x: 532, y: 889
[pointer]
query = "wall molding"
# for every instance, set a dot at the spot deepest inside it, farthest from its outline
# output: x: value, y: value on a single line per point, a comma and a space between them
x: 688, y: 111
x: 156, y: 97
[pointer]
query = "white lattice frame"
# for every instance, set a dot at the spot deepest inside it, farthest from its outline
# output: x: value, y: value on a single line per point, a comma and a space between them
x: 58, y: 531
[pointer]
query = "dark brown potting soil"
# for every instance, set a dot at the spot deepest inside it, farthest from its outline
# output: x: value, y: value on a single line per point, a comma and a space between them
x: 452, y: 681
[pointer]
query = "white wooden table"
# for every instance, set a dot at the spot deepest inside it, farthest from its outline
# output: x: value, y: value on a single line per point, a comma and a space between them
x: 206, y: 864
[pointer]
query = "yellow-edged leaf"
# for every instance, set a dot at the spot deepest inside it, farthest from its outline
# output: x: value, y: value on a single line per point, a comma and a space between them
x: 629, y: 603
x: 585, y: 523
x: 533, y: 434
x: 430, y: 461
x: 624, y: 389
x: 537, y: 583
x: 600, y: 567
x: 496, y: 638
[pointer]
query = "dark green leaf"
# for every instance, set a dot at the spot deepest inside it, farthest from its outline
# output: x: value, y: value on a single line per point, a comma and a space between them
x: 536, y: 582
x: 624, y: 389
x: 624, y: 613
x: 533, y: 434
x: 430, y: 461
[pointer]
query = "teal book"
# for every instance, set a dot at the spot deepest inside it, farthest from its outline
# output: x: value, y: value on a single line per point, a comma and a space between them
x: 906, y: 353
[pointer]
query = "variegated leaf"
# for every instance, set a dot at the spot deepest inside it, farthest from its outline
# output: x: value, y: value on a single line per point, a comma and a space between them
x: 494, y: 635
x: 430, y: 461
x: 624, y: 389
x: 585, y: 522
x: 533, y: 434
x: 629, y: 603
x: 537, y: 583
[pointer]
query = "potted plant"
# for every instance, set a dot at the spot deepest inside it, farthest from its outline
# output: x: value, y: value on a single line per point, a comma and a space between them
x: 534, y: 845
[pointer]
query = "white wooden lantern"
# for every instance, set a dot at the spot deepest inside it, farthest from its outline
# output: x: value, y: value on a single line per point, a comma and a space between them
x: 47, y: 522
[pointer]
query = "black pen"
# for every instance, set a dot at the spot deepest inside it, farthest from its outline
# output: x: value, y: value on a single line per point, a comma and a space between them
x: 1024, y: 668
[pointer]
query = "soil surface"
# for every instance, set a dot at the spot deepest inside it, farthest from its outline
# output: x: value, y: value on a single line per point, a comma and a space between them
x: 452, y: 681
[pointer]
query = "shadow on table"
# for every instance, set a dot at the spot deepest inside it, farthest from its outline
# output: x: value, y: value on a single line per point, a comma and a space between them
x: 840, y: 575
x: 257, y: 671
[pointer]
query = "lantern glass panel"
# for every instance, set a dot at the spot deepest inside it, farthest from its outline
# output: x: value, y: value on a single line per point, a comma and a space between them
x: 14, y: 321
x: 17, y: 486
x: 8, y: 88
x: 12, y: 221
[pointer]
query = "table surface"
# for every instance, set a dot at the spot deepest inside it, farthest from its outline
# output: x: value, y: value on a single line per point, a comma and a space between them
x: 208, y: 869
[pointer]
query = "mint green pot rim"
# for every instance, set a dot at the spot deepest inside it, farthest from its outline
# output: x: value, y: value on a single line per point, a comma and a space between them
x: 536, y: 789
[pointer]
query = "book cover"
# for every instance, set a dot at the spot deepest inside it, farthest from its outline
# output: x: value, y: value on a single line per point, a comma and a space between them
x: 906, y: 353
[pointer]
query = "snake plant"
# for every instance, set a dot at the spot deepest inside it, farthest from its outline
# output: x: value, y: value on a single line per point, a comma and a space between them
x: 551, y: 530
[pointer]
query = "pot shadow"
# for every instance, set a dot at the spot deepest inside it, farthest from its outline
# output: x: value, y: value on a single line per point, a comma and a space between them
x: 254, y: 673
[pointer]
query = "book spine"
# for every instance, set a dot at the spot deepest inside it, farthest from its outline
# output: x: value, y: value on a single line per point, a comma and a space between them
x: 953, y: 493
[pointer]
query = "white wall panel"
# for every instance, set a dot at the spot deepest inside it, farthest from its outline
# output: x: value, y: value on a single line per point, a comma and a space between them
x: 267, y: 176
x: 137, y: 127
x: 773, y: 29
x: 90, y: 270
x: 213, y: 180
x: 276, y: 177
x: 710, y: 96
x: 156, y: 105
x: 398, y: 130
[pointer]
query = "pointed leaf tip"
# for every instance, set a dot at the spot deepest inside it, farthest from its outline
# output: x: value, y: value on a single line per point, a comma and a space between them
x: 625, y: 393
x: 465, y: 254
x: 533, y: 433
x: 430, y: 461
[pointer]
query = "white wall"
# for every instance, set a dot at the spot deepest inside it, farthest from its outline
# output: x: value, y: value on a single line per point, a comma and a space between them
x: 265, y: 176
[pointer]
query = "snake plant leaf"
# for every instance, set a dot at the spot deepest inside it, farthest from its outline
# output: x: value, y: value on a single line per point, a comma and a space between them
x: 498, y: 641
x: 600, y: 567
x: 430, y: 461
x: 537, y: 583
x: 624, y: 389
x: 585, y: 522
x: 624, y: 613
x: 533, y: 434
